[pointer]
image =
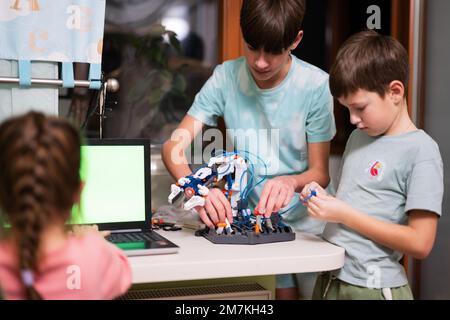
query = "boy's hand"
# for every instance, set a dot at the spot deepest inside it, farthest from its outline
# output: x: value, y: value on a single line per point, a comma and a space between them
x: 313, y: 186
x: 327, y: 208
x: 216, y: 209
x: 277, y: 194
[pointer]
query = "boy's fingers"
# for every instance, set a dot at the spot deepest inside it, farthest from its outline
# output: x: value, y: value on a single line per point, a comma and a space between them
x: 272, y: 200
x: 322, y: 196
x: 226, y: 204
x: 289, y: 196
x: 314, y: 208
x: 307, y: 190
x: 316, y: 185
x: 218, y: 207
x: 211, y: 211
x: 281, y: 200
x: 204, y: 217
x: 262, y: 205
x: 319, y: 190
x: 312, y: 213
x: 288, y: 199
x: 302, y: 198
x: 315, y: 201
x: 286, y: 202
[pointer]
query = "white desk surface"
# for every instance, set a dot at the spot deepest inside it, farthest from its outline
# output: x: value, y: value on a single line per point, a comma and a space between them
x: 198, y: 258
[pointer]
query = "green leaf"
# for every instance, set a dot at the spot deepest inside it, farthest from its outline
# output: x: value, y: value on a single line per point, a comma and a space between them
x: 174, y: 42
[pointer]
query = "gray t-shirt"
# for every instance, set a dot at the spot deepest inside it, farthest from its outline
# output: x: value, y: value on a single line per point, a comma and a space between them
x: 384, y: 177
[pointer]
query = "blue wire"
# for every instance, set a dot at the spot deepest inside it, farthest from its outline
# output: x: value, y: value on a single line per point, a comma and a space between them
x: 247, y: 153
x: 257, y: 184
x: 247, y: 156
x: 240, y: 183
x: 250, y: 181
x: 304, y: 201
x: 290, y: 208
x: 242, y: 192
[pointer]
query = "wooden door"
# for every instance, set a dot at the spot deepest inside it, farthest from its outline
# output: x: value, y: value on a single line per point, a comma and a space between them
x: 230, y: 39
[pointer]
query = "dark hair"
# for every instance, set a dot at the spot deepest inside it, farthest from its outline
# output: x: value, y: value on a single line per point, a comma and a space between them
x: 369, y: 61
x: 271, y: 25
x: 39, y: 178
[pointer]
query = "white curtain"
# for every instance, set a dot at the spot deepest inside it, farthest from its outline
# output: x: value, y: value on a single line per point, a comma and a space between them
x: 37, y: 34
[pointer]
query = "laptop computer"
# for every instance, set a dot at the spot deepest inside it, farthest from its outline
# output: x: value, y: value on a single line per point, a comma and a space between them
x: 116, y: 195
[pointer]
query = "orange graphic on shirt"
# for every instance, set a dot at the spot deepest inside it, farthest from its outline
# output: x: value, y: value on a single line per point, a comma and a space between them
x: 375, y: 169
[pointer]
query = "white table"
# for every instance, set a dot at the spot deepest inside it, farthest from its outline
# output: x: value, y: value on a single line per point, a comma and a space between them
x: 198, y: 258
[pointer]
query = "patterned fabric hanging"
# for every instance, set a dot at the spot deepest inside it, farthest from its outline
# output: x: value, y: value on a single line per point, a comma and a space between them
x: 64, y: 31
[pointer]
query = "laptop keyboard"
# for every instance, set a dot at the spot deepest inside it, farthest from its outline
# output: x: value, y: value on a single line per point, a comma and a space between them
x: 132, y: 237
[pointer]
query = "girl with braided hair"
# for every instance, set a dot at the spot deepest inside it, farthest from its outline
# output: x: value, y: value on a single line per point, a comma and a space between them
x: 39, y: 184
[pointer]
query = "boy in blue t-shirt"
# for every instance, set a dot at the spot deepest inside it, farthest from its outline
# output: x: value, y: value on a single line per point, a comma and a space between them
x: 390, y: 194
x: 272, y: 102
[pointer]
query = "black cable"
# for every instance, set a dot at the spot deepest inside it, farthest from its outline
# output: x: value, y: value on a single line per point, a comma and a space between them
x: 93, y: 108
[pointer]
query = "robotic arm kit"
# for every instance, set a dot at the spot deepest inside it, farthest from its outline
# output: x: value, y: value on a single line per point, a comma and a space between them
x: 238, y: 172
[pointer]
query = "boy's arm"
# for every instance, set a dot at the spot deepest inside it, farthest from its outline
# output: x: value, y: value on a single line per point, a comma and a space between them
x: 415, y: 239
x: 217, y: 208
x: 207, y: 106
x: 278, y: 192
x: 173, y: 150
x: 318, y: 157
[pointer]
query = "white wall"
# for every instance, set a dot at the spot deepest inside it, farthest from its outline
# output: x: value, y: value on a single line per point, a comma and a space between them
x: 435, y: 269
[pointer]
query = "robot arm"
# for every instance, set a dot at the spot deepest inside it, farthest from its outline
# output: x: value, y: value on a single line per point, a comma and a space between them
x: 203, y: 173
x: 224, y: 166
x: 184, y: 181
x: 175, y: 193
x: 240, y: 168
x: 196, y: 187
x: 176, y: 190
x: 195, y: 201
x: 202, y: 190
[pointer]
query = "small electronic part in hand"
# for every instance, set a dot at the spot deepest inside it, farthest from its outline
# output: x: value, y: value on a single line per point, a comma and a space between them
x: 312, y: 194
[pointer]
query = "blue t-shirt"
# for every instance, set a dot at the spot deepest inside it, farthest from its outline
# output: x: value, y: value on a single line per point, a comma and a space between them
x: 276, y: 124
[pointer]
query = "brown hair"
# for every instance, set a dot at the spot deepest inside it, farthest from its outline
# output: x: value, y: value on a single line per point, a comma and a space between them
x: 369, y: 61
x: 39, y: 179
x: 271, y: 25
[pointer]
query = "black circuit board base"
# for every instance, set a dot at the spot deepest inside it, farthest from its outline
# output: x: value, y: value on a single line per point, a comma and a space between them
x: 249, y: 237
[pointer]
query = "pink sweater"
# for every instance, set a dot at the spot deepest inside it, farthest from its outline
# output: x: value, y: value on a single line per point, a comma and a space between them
x: 85, y: 267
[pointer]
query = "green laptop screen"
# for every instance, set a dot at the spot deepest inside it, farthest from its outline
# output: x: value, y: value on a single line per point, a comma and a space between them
x: 114, y: 189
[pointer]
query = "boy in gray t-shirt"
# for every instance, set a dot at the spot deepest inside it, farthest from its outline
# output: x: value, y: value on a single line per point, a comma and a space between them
x: 390, y: 194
